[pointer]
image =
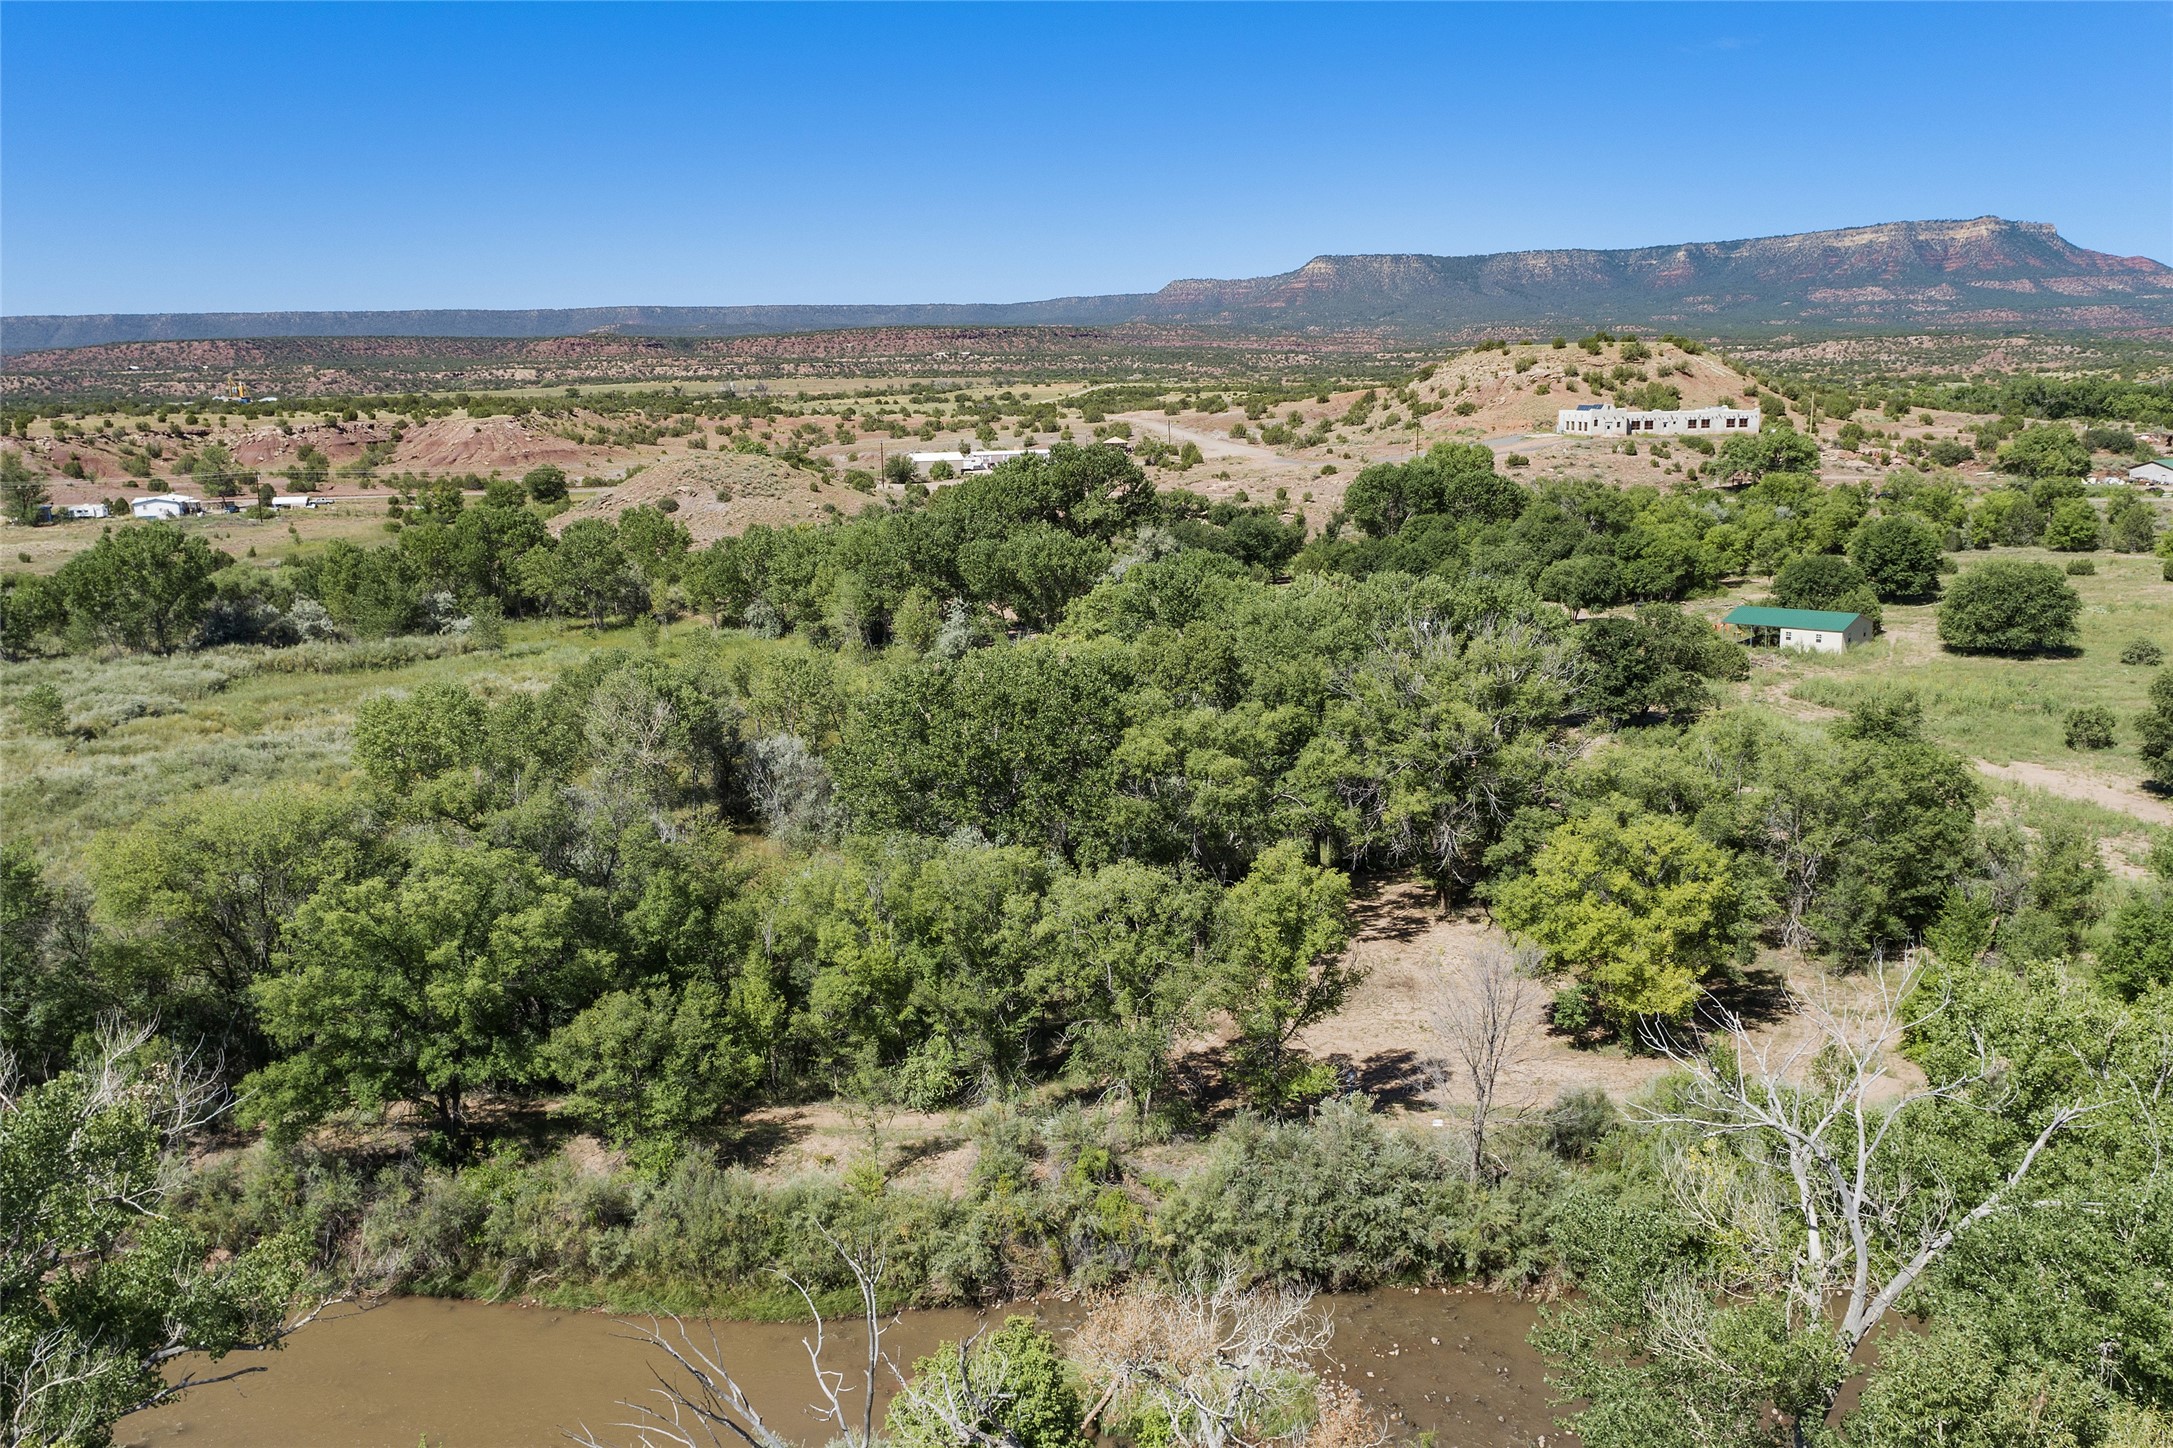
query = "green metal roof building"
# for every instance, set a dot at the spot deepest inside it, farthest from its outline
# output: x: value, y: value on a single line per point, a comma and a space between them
x: 1817, y: 630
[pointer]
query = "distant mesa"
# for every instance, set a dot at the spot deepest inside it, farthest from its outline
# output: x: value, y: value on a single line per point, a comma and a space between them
x: 1981, y: 275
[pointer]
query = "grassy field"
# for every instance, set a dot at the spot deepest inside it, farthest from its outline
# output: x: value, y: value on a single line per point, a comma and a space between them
x: 151, y: 731
x: 1994, y: 709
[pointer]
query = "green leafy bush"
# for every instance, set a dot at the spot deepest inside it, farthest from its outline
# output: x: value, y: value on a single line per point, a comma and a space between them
x: 2089, y: 726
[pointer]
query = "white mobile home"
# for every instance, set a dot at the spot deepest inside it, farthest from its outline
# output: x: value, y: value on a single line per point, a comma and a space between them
x: 165, y: 505
x: 89, y: 510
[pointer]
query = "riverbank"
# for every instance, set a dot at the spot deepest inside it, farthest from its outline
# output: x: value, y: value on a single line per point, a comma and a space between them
x: 1055, y: 1203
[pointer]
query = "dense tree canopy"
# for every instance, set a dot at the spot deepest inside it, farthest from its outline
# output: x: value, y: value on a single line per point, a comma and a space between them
x: 2005, y: 607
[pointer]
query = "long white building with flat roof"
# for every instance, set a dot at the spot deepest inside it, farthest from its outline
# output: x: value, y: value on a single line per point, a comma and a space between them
x: 1599, y: 419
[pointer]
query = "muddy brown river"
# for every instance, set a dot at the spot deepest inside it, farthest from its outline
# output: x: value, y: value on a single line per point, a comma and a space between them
x: 474, y: 1375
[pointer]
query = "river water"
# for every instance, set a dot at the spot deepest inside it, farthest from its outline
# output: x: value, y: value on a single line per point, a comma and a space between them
x: 478, y: 1375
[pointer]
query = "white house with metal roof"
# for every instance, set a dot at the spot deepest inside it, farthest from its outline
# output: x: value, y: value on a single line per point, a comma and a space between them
x: 1816, y: 630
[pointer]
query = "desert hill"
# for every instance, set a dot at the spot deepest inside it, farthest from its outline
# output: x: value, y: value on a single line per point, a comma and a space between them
x: 1976, y: 274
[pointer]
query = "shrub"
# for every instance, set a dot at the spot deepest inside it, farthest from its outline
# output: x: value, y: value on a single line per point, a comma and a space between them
x: 41, y: 711
x: 2090, y: 727
x: 2009, y: 607
x: 1579, y: 1120
x: 2081, y: 568
x: 1342, y: 1201
x: 1516, y: 460
x: 2146, y: 652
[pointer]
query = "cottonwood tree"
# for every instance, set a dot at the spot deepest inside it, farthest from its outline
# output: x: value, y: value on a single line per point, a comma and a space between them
x: 1481, y: 1020
x: 1826, y: 1183
x: 100, y: 1290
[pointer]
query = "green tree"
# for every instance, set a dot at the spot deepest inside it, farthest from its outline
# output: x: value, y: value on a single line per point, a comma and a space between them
x: 1280, y: 937
x: 2136, y: 955
x: 1581, y: 582
x: 41, y: 710
x: 1432, y: 743
x: 1453, y: 478
x: 2010, y: 607
x: 1636, y: 907
x: 101, y: 1288
x: 404, y: 739
x: 1658, y: 660
x: 1775, y: 448
x: 654, y: 1068
x: 2074, y: 527
x: 442, y: 981
x: 2155, y: 728
x: 30, y: 607
x: 1124, y: 948
x: 1826, y: 581
x: 2048, y: 451
x: 22, y: 492
x: 219, y: 473
x: 51, y: 989
x: 585, y: 572
x: 546, y: 483
x: 656, y: 545
x: 2006, y: 517
x: 1034, y: 572
x: 206, y: 889
x: 143, y: 587
x: 2132, y: 524
x: 1899, y: 556
x: 1016, y: 742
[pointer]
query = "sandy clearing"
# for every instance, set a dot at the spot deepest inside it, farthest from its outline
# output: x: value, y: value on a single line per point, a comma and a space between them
x: 2109, y: 794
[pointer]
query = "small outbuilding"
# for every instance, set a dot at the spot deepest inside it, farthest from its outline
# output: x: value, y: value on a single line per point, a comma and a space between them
x: 2157, y: 473
x: 1814, y: 629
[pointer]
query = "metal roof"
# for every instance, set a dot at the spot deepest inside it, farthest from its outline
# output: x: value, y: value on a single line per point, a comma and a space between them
x: 1817, y: 619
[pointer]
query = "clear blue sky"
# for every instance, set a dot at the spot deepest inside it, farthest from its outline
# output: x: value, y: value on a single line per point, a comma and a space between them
x: 260, y: 157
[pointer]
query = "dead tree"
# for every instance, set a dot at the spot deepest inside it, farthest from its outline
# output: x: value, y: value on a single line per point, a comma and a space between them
x: 1814, y: 1119
x: 1481, y: 1020
x: 1211, y: 1359
x: 701, y: 1405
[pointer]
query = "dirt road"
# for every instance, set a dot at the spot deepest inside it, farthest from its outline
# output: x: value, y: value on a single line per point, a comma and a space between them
x: 2109, y: 794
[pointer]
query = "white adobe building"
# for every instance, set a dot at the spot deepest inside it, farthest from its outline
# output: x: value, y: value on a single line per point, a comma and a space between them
x: 974, y: 462
x: 1600, y: 419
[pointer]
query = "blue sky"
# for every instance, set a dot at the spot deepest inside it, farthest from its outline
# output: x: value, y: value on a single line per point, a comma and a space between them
x: 261, y: 157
